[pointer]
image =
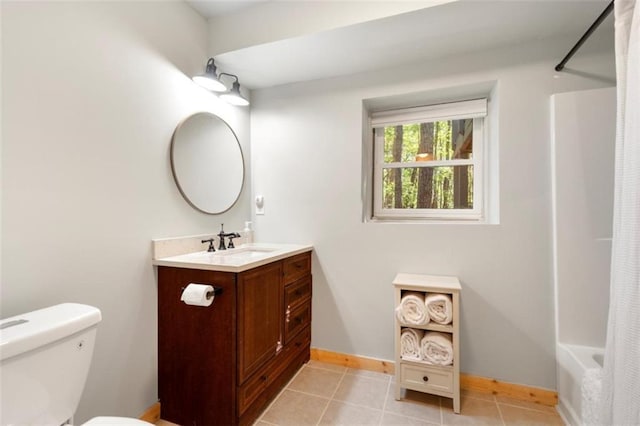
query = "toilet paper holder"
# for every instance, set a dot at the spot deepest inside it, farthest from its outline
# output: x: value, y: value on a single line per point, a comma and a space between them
x: 216, y: 290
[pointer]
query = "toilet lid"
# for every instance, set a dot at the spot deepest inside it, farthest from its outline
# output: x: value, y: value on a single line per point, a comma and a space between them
x: 116, y: 421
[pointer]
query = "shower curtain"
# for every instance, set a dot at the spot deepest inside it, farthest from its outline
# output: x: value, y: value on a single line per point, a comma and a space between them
x: 621, y: 374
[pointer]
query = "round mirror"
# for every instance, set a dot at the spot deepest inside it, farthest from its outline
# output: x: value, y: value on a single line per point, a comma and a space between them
x: 207, y: 163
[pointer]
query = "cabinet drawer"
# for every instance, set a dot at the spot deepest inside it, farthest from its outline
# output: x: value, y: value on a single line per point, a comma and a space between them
x: 252, y: 388
x: 298, y: 343
x: 426, y: 378
x: 296, y: 319
x: 297, y: 292
x: 296, y: 267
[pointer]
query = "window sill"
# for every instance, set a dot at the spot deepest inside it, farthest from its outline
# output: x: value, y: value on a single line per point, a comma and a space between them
x: 428, y: 221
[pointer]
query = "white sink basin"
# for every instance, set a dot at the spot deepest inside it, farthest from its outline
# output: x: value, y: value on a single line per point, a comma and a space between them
x: 245, y: 251
x: 226, y: 257
x: 235, y: 253
x: 233, y: 260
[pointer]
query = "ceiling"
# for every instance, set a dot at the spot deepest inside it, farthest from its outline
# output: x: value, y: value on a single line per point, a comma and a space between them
x: 435, y: 32
x: 215, y: 8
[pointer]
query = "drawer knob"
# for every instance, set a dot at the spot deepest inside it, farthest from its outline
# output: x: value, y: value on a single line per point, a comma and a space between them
x: 425, y: 378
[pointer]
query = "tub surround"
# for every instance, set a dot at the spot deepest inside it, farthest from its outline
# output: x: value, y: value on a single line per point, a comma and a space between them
x: 583, y: 150
x: 583, y: 133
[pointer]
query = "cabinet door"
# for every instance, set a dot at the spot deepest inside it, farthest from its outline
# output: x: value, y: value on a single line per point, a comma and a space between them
x: 260, y: 317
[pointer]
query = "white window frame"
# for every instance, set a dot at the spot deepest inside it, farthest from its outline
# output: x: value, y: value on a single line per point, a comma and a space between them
x: 473, y: 109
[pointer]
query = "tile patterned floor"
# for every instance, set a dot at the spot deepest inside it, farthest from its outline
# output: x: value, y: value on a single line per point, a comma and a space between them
x: 326, y: 394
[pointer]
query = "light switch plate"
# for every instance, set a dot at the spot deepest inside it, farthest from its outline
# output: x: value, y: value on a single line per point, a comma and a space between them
x: 259, y: 205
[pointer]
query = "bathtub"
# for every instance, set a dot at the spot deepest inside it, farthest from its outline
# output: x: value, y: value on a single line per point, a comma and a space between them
x: 572, y: 362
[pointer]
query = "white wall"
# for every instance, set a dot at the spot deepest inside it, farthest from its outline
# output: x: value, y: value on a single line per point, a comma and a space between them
x: 306, y: 145
x: 583, y: 144
x: 91, y: 94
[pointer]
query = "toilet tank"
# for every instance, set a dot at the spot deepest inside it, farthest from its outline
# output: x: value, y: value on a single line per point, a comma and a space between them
x: 44, y: 361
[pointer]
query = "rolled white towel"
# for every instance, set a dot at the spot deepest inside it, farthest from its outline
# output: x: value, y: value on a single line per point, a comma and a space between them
x: 412, y: 309
x: 410, y: 344
x: 439, y: 307
x: 437, y: 348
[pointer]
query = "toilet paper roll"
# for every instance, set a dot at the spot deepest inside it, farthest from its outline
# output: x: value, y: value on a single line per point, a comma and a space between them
x: 196, y: 295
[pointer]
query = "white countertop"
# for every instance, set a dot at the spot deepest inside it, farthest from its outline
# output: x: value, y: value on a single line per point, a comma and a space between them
x: 242, y: 258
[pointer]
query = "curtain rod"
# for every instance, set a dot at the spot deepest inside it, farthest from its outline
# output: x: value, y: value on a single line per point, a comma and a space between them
x: 586, y: 35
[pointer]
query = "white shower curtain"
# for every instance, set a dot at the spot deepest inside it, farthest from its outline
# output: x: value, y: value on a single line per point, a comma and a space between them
x: 621, y: 375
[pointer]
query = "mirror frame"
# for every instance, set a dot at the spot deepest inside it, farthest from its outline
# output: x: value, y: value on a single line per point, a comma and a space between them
x: 173, y: 168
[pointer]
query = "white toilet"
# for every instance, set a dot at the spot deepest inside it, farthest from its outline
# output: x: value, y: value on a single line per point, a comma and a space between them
x: 45, y: 358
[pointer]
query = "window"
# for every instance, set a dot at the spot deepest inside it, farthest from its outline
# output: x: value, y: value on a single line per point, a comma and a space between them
x: 428, y: 162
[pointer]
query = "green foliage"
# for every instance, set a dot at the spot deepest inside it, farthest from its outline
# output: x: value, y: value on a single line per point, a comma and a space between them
x: 443, y: 176
x: 442, y: 187
x: 410, y: 141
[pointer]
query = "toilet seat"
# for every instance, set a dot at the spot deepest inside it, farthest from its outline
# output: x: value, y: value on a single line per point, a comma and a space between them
x: 116, y: 421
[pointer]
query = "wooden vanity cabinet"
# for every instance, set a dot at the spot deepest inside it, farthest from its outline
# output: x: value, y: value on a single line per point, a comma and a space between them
x: 222, y: 364
x: 196, y: 349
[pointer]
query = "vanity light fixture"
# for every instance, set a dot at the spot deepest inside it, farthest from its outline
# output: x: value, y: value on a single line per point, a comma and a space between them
x: 210, y: 80
x: 233, y: 96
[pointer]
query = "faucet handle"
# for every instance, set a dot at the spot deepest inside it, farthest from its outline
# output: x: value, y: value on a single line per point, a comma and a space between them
x: 231, y: 237
x: 211, y: 247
